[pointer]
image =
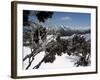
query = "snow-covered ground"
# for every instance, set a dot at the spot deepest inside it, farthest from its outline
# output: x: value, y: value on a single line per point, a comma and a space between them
x: 63, y: 61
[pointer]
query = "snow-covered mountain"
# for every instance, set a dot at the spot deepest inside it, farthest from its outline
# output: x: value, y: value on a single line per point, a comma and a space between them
x: 67, y: 30
x: 62, y: 29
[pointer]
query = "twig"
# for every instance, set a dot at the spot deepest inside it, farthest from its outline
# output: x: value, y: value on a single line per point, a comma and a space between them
x: 30, y: 62
x: 31, y: 54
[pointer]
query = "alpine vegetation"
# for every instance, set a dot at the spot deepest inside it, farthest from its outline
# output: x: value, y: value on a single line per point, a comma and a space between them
x: 56, y: 40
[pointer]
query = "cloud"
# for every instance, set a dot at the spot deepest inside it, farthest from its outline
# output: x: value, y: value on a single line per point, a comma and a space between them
x: 66, y: 18
x: 80, y: 27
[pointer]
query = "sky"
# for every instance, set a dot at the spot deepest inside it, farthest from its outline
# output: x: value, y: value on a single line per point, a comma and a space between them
x: 68, y: 19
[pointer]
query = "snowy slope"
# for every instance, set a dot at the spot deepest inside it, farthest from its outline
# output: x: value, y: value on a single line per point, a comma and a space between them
x: 63, y: 61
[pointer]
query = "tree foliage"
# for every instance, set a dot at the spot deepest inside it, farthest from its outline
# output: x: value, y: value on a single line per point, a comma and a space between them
x: 43, y: 15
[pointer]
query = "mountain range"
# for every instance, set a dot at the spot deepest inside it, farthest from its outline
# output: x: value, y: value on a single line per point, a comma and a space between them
x: 67, y: 31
